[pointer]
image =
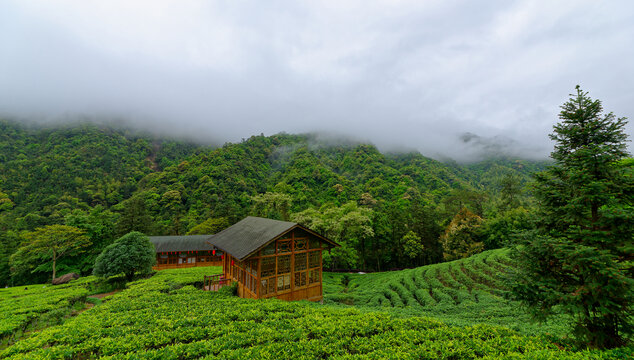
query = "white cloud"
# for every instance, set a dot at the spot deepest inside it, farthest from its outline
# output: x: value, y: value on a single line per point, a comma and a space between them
x: 408, y: 73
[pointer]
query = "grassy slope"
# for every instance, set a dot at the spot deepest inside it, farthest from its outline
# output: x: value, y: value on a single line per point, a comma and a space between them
x: 165, y: 317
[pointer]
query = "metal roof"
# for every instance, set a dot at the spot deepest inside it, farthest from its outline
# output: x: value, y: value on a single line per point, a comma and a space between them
x: 252, y: 233
x: 181, y: 243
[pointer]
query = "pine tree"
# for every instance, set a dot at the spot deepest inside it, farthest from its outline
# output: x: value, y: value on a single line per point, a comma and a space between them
x: 579, y: 260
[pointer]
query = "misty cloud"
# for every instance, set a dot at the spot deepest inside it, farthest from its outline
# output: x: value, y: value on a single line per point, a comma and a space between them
x: 402, y: 74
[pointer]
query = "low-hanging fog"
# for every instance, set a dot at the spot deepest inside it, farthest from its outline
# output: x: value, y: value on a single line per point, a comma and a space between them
x: 447, y: 78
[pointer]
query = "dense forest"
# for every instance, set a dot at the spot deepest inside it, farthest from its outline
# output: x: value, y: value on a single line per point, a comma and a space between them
x: 387, y: 210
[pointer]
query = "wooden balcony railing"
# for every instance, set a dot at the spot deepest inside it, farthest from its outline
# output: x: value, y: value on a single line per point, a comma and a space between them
x: 215, y: 282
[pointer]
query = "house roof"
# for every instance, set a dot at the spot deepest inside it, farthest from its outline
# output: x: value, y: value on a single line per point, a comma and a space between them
x: 250, y: 234
x: 181, y: 243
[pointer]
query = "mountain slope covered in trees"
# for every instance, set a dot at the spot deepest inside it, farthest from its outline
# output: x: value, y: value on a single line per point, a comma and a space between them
x: 109, y: 180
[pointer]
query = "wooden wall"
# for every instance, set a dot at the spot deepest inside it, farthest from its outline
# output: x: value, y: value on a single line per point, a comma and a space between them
x: 289, y: 268
x: 179, y: 260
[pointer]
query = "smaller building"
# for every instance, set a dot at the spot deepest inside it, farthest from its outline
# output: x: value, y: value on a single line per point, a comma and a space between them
x: 271, y: 258
x: 174, y: 252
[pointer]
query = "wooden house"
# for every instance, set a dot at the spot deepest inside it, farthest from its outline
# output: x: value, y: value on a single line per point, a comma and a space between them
x: 271, y: 258
x: 174, y: 252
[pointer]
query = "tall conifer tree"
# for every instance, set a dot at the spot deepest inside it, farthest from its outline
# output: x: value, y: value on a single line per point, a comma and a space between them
x: 580, y: 258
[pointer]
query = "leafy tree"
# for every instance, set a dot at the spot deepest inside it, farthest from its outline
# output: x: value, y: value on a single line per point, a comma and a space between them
x: 460, y: 239
x: 210, y: 226
x: 580, y: 257
x: 510, y: 191
x: 5, y: 202
x: 503, y: 228
x: 465, y: 198
x: 425, y: 224
x: 349, y: 225
x: 99, y: 225
x: 134, y: 217
x: 274, y: 205
x: 172, y: 202
x: 9, y: 241
x: 51, y: 242
x: 129, y: 254
x: 412, y: 244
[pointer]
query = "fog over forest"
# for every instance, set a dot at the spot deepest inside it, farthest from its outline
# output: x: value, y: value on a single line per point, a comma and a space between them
x: 453, y: 79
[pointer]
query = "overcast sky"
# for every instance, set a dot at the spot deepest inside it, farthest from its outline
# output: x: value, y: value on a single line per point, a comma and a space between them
x: 401, y: 74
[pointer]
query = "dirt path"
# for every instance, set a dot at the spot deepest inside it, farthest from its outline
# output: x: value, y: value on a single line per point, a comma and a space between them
x: 101, y: 296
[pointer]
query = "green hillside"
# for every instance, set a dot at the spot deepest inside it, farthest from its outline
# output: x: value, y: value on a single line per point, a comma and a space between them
x: 109, y: 180
x: 167, y: 317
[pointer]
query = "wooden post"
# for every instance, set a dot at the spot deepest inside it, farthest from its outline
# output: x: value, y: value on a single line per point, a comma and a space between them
x: 276, y: 258
x: 258, y: 275
x: 292, y: 265
x: 321, y: 279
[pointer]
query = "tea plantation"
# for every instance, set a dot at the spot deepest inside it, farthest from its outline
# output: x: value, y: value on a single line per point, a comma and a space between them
x: 31, y: 307
x: 168, y: 317
x: 462, y: 292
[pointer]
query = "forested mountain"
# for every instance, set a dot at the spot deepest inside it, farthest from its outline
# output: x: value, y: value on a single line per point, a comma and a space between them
x: 109, y: 180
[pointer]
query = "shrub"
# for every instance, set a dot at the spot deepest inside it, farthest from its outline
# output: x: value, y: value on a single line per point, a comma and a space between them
x: 130, y: 253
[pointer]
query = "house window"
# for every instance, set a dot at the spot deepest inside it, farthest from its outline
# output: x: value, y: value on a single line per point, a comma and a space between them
x: 300, y: 261
x: 300, y: 279
x: 314, y: 259
x: 272, y: 286
x: 313, y: 276
x: 264, y: 287
x: 283, y: 246
x: 283, y: 264
x: 284, y: 282
x: 301, y: 244
x: 268, y: 266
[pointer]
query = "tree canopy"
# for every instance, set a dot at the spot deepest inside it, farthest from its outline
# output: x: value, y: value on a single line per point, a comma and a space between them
x: 129, y: 254
x: 580, y: 257
x: 49, y: 243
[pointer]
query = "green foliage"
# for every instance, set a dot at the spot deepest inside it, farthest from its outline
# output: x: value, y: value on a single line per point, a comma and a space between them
x: 412, y: 245
x: 461, y: 238
x: 580, y: 257
x: 503, y: 228
x: 49, y: 243
x: 510, y: 191
x: 99, y: 225
x: 129, y: 254
x: 52, y: 175
x: 25, y: 308
x: 462, y: 292
x: 9, y: 242
x: 210, y: 226
x: 460, y: 199
x: 164, y: 317
x: 134, y: 216
x: 349, y: 225
x: 5, y: 202
x: 272, y: 205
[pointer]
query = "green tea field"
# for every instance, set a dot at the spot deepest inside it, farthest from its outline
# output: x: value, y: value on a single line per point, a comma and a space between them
x: 462, y: 292
x: 167, y: 317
